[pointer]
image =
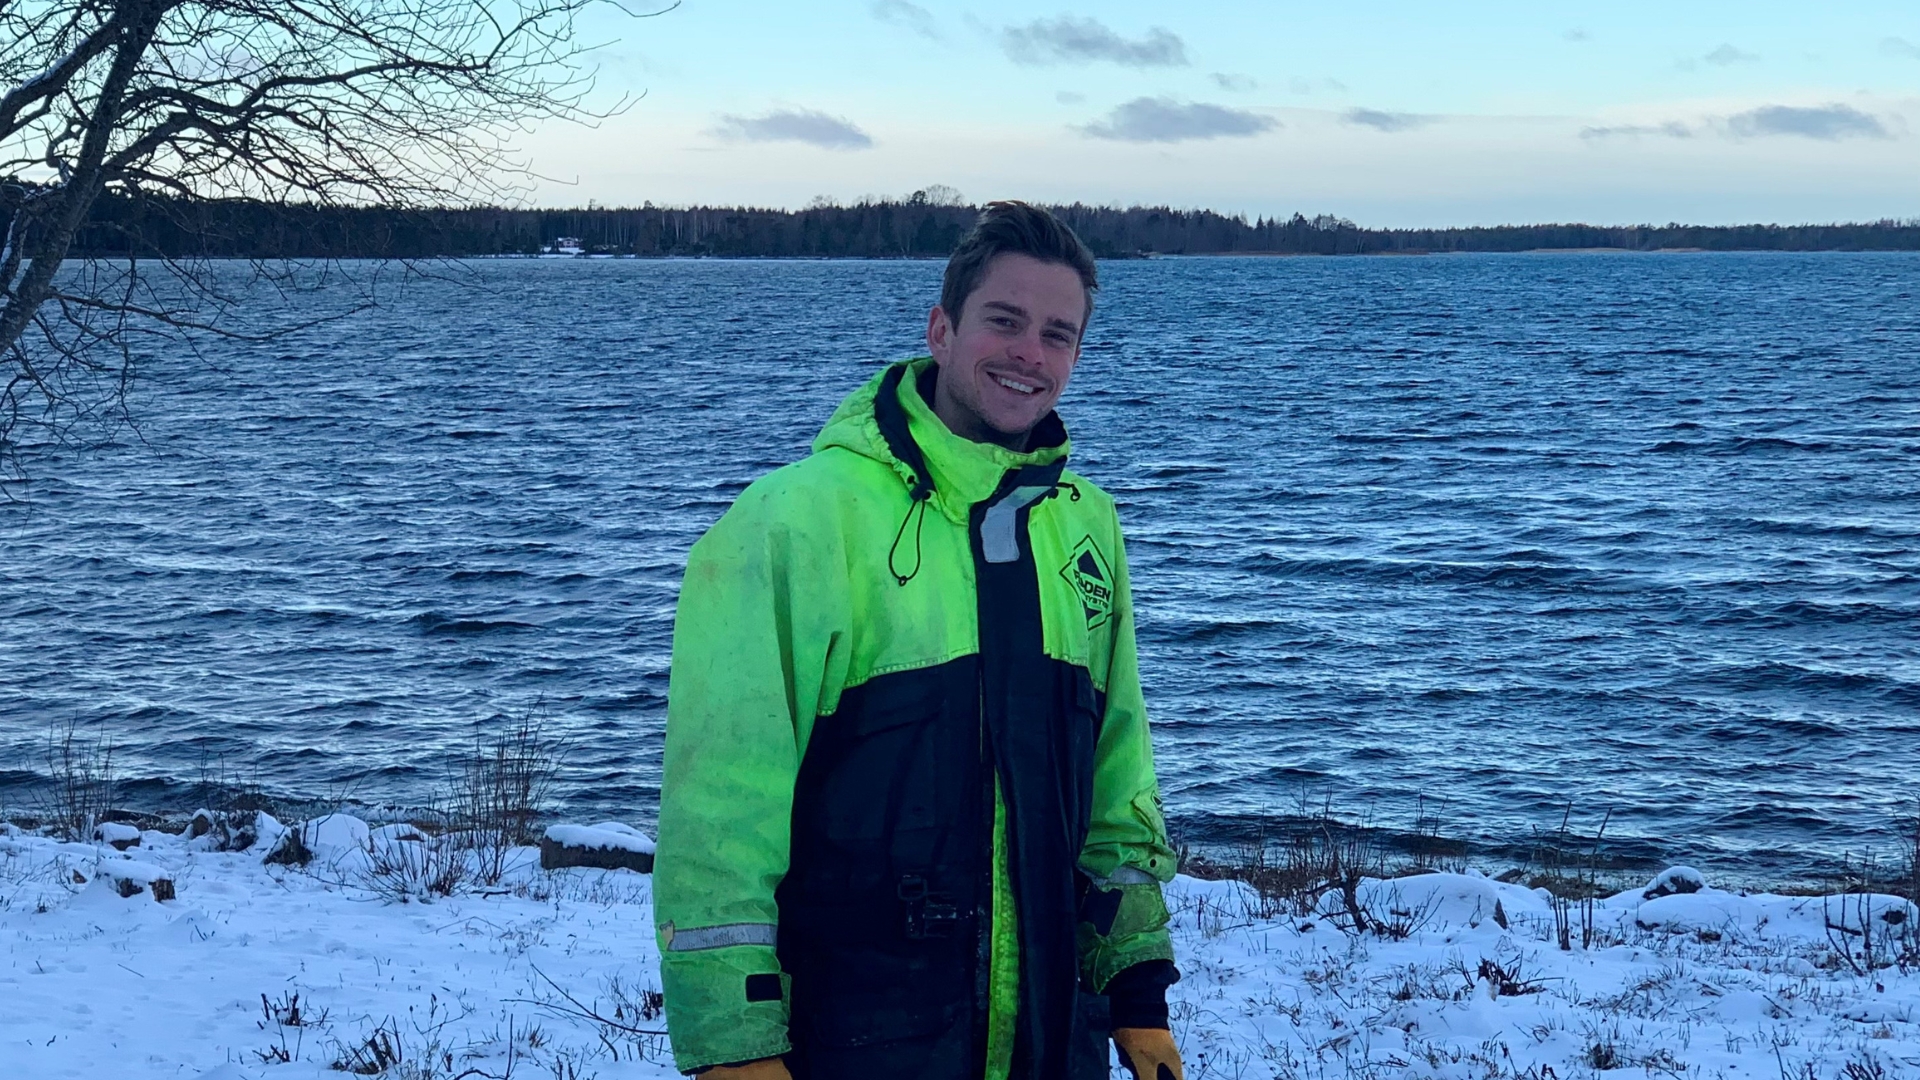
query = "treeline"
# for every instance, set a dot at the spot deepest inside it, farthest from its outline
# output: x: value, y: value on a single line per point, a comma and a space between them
x: 908, y: 228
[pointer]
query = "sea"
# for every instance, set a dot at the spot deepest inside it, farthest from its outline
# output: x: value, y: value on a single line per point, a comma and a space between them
x: 1478, y: 548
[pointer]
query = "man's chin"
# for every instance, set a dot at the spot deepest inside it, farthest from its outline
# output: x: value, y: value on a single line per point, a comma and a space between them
x: 1013, y: 427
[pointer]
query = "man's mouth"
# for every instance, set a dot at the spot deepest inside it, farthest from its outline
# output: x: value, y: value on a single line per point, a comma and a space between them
x: 1015, y: 385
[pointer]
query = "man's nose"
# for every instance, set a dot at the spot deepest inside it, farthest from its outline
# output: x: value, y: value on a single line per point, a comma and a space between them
x: 1027, y: 348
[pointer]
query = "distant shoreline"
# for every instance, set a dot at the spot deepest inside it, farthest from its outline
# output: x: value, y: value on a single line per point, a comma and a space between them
x: 150, y: 227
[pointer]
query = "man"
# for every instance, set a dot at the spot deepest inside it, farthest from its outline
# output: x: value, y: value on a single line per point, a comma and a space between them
x: 909, y: 828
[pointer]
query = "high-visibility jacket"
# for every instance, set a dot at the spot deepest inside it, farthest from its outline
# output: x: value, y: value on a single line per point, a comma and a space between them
x: 909, y: 825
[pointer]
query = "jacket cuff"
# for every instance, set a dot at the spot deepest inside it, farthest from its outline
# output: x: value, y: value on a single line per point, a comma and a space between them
x: 1138, y: 995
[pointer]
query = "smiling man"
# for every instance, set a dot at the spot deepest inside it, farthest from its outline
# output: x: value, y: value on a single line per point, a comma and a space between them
x: 909, y: 826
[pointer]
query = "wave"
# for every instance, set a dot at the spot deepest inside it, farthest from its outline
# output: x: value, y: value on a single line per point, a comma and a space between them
x: 1425, y: 572
x: 1826, y: 528
x: 1792, y: 614
x: 1746, y: 444
x: 1213, y: 629
x: 1838, y: 688
x: 433, y: 622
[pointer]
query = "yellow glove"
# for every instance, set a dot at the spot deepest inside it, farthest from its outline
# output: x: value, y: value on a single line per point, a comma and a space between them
x: 764, y: 1069
x: 1149, y: 1053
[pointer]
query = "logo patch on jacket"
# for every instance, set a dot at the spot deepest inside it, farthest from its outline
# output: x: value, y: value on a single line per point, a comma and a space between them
x: 1088, y: 573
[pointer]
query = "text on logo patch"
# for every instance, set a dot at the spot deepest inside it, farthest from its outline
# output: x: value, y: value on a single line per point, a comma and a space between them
x: 1088, y: 573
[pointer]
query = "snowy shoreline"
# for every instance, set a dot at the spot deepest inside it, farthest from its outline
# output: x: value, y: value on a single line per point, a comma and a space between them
x: 261, y: 970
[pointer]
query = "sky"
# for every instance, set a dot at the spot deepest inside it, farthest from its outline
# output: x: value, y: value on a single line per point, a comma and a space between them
x: 1389, y: 112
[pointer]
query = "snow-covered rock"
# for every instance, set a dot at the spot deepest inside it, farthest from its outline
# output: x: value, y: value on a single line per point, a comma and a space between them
x: 131, y: 878
x: 1706, y: 911
x: 267, y: 833
x: 334, y: 835
x: 399, y: 832
x: 1674, y: 881
x: 1437, y: 902
x: 610, y: 845
x: 608, y: 835
x: 121, y: 835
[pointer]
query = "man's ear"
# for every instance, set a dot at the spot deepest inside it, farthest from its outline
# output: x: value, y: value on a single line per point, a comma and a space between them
x: 939, y: 332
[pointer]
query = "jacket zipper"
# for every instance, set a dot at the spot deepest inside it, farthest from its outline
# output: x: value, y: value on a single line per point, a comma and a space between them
x: 983, y: 953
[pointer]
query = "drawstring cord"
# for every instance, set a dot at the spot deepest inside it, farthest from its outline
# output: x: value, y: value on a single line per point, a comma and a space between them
x: 917, y: 513
x: 922, y: 494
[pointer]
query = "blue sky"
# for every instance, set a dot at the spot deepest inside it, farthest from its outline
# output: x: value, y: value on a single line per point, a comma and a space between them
x: 1390, y: 113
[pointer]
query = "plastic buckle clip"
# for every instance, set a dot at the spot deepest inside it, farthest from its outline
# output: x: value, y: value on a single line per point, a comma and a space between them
x: 928, y: 914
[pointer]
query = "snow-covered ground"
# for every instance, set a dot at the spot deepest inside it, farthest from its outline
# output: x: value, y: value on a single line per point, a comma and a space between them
x: 271, y: 971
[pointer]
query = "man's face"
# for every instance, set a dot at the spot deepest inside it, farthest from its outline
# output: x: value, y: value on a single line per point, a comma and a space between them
x: 1005, y: 363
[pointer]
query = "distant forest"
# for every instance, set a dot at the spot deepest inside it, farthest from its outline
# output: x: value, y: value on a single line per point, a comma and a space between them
x: 909, y: 228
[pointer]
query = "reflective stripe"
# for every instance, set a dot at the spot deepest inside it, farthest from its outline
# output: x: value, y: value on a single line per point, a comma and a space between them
x: 720, y: 937
x: 997, y: 541
x: 1130, y: 875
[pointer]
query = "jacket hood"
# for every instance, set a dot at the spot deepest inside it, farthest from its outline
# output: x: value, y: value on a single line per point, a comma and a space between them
x: 962, y: 472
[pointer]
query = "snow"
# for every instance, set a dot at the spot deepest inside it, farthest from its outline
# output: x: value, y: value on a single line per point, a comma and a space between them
x: 265, y: 971
x: 606, y: 836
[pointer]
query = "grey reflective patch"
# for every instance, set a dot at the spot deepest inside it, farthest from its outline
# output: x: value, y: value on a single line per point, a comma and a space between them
x: 996, y: 529
x: 720, y: 937
x: 1130, y: 875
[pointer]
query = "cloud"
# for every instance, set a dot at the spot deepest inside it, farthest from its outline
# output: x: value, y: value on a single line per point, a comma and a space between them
x: 1826, y: 122
x: 1727, y: 56
x: 795, y: 125
x: 908, y: 16
x: 1308, y: 86
x: 1385, y: 121
x: 1900, y: 47
x: 1577, y: 34
x: 1166, y: 120
x: 1672, y: 129
x: 1067, y: 40
x: 1235, y: 83
x: 1070, y: 97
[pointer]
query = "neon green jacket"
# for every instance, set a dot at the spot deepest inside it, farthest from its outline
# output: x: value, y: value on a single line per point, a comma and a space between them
x: 830, y: 878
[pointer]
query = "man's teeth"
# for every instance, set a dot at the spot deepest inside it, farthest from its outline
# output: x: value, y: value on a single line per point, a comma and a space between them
x: 1011, y: 385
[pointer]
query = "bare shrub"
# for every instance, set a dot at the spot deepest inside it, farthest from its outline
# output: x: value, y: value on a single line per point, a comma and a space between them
x: 420, y: 1049
x: 80, y: 768
x: 1565, y: 862
x: 1294, y: 864
x: 1909, y: 831
x: 624, y: 1018
x: 1867, y: 936
x: 401, y: 871
x: 501, y: 791
x: 289, y: 1021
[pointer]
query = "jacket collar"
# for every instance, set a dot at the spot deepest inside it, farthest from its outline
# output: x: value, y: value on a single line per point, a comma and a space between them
x: 961, y: 472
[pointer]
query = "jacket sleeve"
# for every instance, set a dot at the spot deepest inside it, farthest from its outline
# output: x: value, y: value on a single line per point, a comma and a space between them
x: 1124, y: 919
x: 755, y: 620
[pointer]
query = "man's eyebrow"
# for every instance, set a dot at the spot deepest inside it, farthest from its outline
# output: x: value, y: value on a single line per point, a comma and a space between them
x: 1016, y: 310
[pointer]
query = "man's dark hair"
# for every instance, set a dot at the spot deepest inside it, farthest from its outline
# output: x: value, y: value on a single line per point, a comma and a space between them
x: 1017, y: 228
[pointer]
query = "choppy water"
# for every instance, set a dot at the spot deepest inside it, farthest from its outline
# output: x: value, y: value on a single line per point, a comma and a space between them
x: 1509, y: 532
